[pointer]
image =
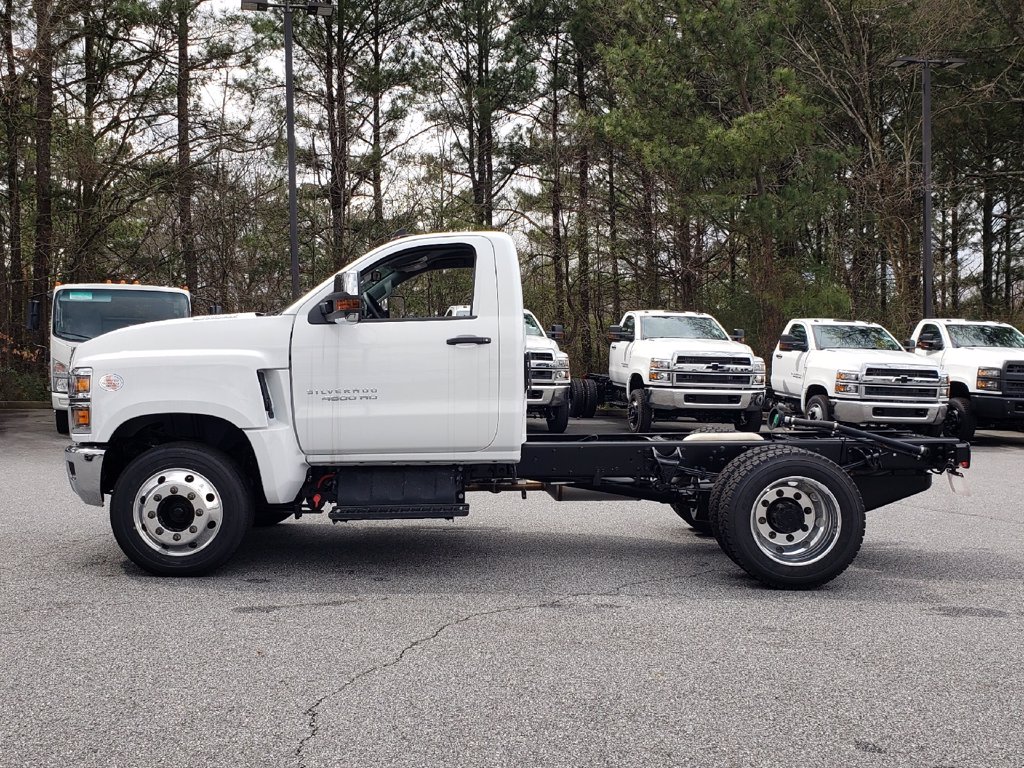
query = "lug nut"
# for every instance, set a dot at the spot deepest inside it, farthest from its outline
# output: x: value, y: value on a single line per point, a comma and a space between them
x: 174, y: 489
x: 157, y: 497
x: 192, y: 529
x: 159, y: 531
x: 761, y: 520
x: 191, y: 496
x: 177, y: 537
x: 771, y: 534
x: 199, y: 513
x: 151, y: 514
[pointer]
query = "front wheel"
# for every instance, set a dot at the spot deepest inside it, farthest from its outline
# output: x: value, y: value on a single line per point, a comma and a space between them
x: 790, y: 518
x: 558, y: 418
x: 818, y: 408
x: 639, y: 413
x: 181, y: 509
x: 960, y: 422
x: 61, y: 420
x: 749, y: 421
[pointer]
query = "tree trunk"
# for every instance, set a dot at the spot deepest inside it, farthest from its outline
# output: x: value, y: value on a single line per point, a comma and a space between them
x: 43, y: 247
x: 185, y: 183
x: 583, y: 217
x: 557, y: 243
x: 16, y: 275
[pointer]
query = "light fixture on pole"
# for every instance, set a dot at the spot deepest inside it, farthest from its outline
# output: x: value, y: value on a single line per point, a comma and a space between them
x: 313, y: 9
x: 927, y: 65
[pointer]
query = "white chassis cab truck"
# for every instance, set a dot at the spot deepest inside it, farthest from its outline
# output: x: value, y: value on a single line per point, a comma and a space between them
x: 357, y: 405
x: 856, y: 373
x: 82, y: 311
x: 985, y: 363
x: 547, y: 395
x: 662, y: 365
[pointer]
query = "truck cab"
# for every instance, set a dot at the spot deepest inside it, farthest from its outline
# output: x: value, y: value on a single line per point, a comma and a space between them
x: 856, y: 373
x: 985, y: 362
x: 83, y: 311
x: 663, y: 365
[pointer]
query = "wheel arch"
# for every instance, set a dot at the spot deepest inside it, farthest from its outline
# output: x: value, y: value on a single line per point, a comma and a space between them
x: 959, y: 389
x: 811, y: 391
x: 636, y: 381
x: 144, y: 432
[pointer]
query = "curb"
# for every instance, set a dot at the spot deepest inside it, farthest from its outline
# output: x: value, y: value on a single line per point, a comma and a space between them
x: 17, y: 405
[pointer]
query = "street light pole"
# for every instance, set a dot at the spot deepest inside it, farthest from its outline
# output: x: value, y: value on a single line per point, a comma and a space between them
x: 927, y: 263
x: 293, y: 201
x: 289, y: 7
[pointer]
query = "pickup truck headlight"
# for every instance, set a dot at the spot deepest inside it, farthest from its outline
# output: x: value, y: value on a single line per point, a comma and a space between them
x: 759, y: 366
x: 847, y: 376
x: 660, y: 370
x: 944, y: 385
x: 562, y: 369
x: 988, y: 379
x: 81, y: 384
x: 59, y: 376
x: 849, y: 389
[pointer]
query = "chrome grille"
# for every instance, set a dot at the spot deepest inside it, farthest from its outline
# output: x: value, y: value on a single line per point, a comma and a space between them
x: 912, y: 373
x: 901, y: 392
x: 714, y: 379
x: 710, y: 359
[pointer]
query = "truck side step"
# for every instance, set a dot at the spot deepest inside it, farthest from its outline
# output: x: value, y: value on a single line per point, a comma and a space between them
x: 398, y: 512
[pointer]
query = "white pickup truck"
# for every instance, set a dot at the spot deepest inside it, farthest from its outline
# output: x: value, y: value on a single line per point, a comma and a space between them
x: 985, y: 362
x: 856, y: 373
x: 362, y: 401
x: 662, y: 365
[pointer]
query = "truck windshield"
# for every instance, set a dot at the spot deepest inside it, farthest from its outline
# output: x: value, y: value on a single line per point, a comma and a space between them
x: 854, y: 337
x: 82, y: 314
x: 681, y: 327
x: 532, y: 328
x: 981, y: 335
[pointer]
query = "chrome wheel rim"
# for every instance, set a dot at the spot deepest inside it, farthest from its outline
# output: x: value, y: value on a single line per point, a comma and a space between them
x: 178, y: 512
x: 795, y: 521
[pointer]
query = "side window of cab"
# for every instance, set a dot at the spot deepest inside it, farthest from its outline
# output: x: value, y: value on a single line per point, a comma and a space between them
x: 629, y: 325
x: 798, y: 332
x: 427, y: 283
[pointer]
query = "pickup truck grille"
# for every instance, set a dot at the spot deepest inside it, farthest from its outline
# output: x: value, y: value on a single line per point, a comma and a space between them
x: 872, y: 392
x: 1013, y: 379
x: 911, y: 373
x: 542, y: 356
x: 1015, y: 369
x: 713, y: 379
x: 541, y: 374
x: 711, y: 359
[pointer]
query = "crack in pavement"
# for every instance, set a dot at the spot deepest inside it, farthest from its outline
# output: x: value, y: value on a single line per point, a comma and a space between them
x: 313, y: 711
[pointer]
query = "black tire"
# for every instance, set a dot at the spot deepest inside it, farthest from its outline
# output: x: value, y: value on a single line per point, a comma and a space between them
x: 214, y: 518
x: 749, y: 421
x: 590, y: 393
x: 60, y: 419
x: 639, y: 413
x: 781, y: 480
x: 558, y: 418
x: 699, y: 524
x: 818, y: 408
x: 960, y: 422
x: 576, y: 397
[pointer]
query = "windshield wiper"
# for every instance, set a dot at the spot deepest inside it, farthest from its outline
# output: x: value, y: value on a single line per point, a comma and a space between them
x: 73, y: 336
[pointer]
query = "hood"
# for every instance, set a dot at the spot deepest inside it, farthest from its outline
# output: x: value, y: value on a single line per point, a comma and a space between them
x: 541, y: 343
x: 670, y: 347
x: 987, y: 357
x: 267, y: 335
x: 855, y: 358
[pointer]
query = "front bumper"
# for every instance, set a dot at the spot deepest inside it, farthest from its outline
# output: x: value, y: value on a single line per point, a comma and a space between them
x: 59, y: 401
x: 544, y: 395
x: 705, y: 399
x: 887, y: 412
x: 997, y: 407
x: 85, y: 469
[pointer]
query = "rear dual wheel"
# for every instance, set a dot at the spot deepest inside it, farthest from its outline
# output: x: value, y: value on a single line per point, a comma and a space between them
x: 790, y: 518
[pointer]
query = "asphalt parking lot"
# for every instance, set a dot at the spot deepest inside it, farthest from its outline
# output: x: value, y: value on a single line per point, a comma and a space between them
x: 528, y: 634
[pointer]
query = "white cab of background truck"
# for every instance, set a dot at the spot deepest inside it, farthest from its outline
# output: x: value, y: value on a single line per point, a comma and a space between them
x: 857, y: 373
x: 83, y: 311
x: 985, y: 363
x: 668, y: 364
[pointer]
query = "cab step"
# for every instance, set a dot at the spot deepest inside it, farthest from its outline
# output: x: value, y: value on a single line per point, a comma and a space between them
x: 398, y: 512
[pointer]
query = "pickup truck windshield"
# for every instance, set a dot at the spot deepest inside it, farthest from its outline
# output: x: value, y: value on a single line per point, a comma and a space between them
x: 854, y: 337
x: 979, y: 335
x: 532, y: 329
x: 79, y: 315
x: 681, y: 327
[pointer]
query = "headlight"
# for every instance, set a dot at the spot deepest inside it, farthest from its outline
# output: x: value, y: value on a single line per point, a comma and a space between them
x: 759, y: 365
x: 758, y: 378
x: 849, y: 389
x: 848, y: 376
x: 59, y: 376
x: 561, y: 360
x: 660, y: 365
x: 988, y: 378
x: 81, y: 383
x: 989, y: 373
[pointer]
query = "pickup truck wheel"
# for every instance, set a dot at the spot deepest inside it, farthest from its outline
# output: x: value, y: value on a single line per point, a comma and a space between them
x: 699, y: 524
x: 749, y: 421
x: 181, y: 509
x: 576, y: 397
x: 558, y: 418
x: 639, y: 413
x: 960, y: 422
x: 818, y: 408
x: 61, y: 419
x: 589, y: 399
x: 790, y: 518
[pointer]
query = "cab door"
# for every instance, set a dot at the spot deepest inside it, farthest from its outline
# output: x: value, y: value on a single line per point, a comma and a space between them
x: 405, y: 379
x: 618, y: 353
x: 788, y: 366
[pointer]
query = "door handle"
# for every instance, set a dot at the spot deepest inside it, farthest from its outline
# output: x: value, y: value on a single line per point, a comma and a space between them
x: 778, y: 356
x: 469, y: 340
